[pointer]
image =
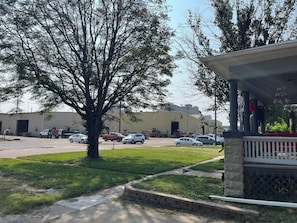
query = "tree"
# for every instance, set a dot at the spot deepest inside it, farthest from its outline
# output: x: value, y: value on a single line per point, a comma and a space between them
x: 276, y: 115
x: 88, y: 54
x: 238, y: 25
x: 278, y: 126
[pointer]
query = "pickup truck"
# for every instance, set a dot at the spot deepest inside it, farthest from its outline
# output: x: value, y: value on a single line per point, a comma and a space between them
x: 45, y: 133
x: 113, y: 136
x: 49, y: 133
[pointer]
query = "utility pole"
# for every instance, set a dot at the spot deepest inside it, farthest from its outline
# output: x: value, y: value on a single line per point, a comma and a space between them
x: 188, y: 106
x: 215, y: 110
x: 120, y: 116
x: 215, y: 124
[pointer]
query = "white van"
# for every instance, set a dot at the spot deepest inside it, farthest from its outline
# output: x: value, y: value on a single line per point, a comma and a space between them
x: 45, y: 133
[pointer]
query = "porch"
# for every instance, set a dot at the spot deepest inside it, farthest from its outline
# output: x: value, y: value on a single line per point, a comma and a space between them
x: 270, y: 150
x: 270, y: 168
x: 260, y: 167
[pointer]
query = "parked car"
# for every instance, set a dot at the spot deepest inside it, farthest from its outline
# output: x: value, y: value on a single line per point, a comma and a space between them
x: 194, y: 135
x: 220, y: 140
x: 49, y: 133
x: 187, y: 141
x: 113, y: 136
x: 78, y: 137
x: 206, y: 139
x: 45, y: 133
x: 62, y: 133
x: 134, y: 138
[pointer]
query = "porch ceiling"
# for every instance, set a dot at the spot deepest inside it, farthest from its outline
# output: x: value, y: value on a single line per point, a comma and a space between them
x: 269, y: 72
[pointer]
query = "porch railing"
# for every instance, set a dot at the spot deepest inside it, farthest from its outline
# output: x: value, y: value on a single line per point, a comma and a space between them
x: 272, y: 150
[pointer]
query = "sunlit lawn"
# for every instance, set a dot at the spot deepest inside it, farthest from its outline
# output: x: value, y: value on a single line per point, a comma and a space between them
x: 38, y: 180
x: 30, y: 182
x: 184, y: 186
x: 210, y: 166
x: 145, y: 160
x: 193, y: 187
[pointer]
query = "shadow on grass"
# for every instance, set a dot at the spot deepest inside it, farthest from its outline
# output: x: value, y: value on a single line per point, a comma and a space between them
x: 27, y: 183
x: 72, y: 174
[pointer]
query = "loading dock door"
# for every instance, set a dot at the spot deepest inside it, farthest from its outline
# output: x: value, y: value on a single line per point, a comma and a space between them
x: 174, y: 128
x: 22, y: 127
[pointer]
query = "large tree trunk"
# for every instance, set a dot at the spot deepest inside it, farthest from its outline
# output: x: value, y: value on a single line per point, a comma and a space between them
x: 93, y: 147
x: 93, y: 126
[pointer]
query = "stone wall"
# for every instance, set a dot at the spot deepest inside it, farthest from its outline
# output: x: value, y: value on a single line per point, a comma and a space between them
x: 233, y: 167
x: 178, y: 203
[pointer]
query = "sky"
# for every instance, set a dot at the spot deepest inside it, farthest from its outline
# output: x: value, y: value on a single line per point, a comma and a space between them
x: 181, y: 91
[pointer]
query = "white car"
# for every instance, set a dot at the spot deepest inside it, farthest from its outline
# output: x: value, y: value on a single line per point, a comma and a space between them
x: 188, y: 141
x: 220, y: 140
x: 45, y: 133
x: 134, y: 138
x: 78, y: 137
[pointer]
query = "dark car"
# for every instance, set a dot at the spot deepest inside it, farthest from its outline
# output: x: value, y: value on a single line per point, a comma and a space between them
x: 113, y: 136
x: 206, y: 140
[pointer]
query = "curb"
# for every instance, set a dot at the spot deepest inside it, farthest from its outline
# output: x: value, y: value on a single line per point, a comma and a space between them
x: 174, y: 202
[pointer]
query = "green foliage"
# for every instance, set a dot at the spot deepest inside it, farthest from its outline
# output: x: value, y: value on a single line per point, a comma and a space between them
x: 276, y: 113
x: 237, y: 25
x: 89, y: 55
x: 277, y: 118
x: 278, y: 126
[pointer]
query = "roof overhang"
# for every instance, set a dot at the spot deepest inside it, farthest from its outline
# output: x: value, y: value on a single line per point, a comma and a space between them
x: 269, y: 72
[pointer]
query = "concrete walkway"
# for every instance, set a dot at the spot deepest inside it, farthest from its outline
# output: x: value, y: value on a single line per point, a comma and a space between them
x: 105, y: 206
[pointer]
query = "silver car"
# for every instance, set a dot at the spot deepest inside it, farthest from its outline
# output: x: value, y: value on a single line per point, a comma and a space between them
x: 188, y: 141
x: 206, y: 140
x: 134, y: 138
x: 78, y: 137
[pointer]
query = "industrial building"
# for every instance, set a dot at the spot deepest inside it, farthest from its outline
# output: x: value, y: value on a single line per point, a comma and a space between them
x: 174, y: 122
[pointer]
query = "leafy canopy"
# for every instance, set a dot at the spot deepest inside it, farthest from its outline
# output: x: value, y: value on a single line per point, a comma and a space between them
x: 237, y: 25
x: 87, y: 53
x: 90, y: 55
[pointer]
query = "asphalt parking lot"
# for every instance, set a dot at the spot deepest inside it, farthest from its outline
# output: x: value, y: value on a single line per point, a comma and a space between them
x: 15, y: 146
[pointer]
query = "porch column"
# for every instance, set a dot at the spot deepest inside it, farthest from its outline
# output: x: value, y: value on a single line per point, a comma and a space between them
x: 255, y: 116
x: 246, y: 113
x: 233, y: 105
x: 233, y: 147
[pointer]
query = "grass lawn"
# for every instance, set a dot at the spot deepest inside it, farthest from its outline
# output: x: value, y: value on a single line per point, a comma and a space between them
x: 33, y: 181
x: 209, y: 167
x: 184, y: 186
x: 145, y: 160
x: 38, y: 180
x: 193, y: 187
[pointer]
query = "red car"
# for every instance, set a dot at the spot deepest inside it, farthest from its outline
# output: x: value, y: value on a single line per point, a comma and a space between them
x: 113, y: 136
